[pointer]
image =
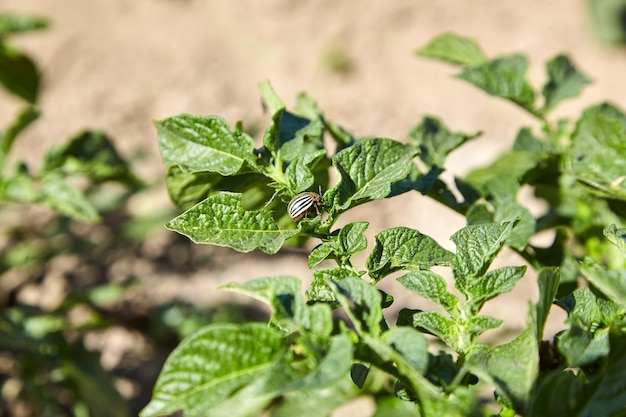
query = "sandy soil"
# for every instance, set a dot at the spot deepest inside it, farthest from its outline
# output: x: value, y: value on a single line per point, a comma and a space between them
x: 117, y: 65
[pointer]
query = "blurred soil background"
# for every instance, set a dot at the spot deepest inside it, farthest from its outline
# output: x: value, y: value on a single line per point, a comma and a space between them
x: 117, y: 65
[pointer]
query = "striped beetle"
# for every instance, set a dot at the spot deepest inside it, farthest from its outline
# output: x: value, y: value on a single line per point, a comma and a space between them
x: 302, y: 204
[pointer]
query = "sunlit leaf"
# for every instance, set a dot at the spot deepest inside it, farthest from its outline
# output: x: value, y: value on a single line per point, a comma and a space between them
x: 404, y: 248
x: 17, y: 23
x: 503, y: 77
x: 198, y: 143
x: 212, y: 364
x: 564, y: 81
x: 221, y: 220
x: 454, y: 49
x: 367, y: 170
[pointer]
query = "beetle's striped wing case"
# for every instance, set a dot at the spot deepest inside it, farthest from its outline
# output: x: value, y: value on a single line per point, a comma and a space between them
x: 302, y: 204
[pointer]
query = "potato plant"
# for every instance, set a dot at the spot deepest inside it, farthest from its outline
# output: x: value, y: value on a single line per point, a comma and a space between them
x: 307, y: 360
x: 47, y: 369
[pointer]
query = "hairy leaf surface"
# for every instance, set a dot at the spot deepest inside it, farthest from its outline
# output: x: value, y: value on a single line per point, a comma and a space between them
x: 220, y: 220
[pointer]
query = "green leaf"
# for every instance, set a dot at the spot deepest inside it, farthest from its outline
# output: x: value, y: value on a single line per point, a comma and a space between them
x: 415, y: 180
x: 554, y: 387
x: 294, y: 148
x: 322, y: 252
x: 617, y: 237
x: 602, y: 395
x: 403, y: 248
x: 441, y: 326
x: 308, y: 108
x: 295, y: 129
x: 500, y: 185
x: 66, y: 199
x: 501, y: 191
x: 289, y: 311
x: 508, y: 209
x: 17, y: 23
x: 189, y: 188
x: 281, y: 293
x: 320, y: 289
x: 290, y: 146
x: 93, y: 155
x: 580, y: 202
x: 503, y: 77
x: 597, y: 157
x: 526, y: 141
x: 352, y: 237
x: 588, y: 311
x: 436, y: 141
x: 479, y: 213
x: 394, y: 407
x: 410, y: 344
x: 8, y: 136
x: 612, y: 283
x: 610, y: 396
x: 362, y: 303
x: 367, y: 170
x: 432, y: 287
x: 220, y: 220
x: 198, y: 143
x: 333, y: 366
x: 461, y: 402
x: 607, y: 110
x: 320, y: 402
x: 270, y: 98
x: 454, y: 49
x: 359, y: 373
x: 18, y: 74
x: 492, y: 284
x: 478, y: 325
x: 515, y: 367
x: 349, y: 240
x: 581, y: 347
x: 548, y: 280
x: 406, y: 349
x: 512, y: 367
x: 289, y: 133
x: 589, y: 318
x: 513, y: 164
x: 211, y: 365
x: 477, y: 245
x: 19, y: 187
x: 299, y: 172
x: 564, y: 81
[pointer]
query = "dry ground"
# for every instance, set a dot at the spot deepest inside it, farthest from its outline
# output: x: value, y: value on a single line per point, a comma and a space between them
x: 117, y: 65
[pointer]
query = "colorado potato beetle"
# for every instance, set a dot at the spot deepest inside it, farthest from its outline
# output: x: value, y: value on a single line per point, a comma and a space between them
x: 302, y: 204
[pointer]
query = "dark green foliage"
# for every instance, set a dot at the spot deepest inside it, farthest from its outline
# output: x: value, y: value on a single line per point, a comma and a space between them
x: 576, y: 166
